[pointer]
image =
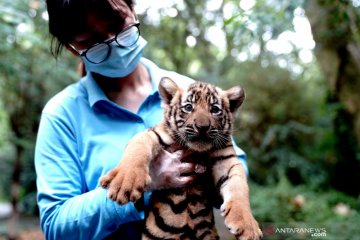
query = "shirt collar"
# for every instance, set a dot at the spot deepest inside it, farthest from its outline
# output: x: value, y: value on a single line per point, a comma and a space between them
x: 95, y: 94
x: 155, y: 74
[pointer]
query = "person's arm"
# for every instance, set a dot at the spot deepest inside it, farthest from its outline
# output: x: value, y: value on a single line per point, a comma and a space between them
x: 67, y: 209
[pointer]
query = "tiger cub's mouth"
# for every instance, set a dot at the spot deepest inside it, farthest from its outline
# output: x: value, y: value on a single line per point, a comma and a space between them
x: 199, y: 146
x: 198, y: 141
x: 201, y: 141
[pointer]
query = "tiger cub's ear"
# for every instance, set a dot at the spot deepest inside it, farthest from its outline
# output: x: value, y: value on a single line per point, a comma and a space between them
x: 236, y: 96
x: 167, y: 89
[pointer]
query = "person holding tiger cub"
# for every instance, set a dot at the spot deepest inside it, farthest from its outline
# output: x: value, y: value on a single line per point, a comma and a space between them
x: 84, y: 129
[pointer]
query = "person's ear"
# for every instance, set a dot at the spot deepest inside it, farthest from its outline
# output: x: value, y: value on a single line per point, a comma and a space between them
x: 135, y: 15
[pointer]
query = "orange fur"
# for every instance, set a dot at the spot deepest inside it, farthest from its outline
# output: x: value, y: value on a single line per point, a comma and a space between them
x: 198, y: 118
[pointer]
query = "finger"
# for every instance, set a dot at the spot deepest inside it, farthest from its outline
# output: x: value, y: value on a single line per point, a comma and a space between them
x: 185, y: 154
x: 184, y: 181
x: 182, y: 153
x: 186, y: 168
x: 169, y: 157
x: 199, y: 168
x: 165, y: 154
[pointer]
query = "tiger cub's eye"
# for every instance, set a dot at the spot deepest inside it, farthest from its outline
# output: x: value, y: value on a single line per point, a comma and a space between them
x: 215, y: 110
x: 187, y: 108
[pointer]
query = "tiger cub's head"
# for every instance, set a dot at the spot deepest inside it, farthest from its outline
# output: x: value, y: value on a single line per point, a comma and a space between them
x: 201, y: 116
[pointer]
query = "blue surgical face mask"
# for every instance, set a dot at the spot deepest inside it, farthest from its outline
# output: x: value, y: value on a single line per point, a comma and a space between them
x: 121, y: 62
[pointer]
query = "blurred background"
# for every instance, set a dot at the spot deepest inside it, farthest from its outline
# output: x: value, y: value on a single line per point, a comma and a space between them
x: 298, y: 60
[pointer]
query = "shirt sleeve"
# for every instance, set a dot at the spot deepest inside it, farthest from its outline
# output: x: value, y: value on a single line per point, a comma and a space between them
x: 242, y: 156
x: 67, y: 209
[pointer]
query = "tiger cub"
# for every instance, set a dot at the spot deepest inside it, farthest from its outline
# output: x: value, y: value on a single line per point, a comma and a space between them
x: 198, y: 118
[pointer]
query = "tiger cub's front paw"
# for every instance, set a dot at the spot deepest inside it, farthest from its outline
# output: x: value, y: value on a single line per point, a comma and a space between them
x: 126, y: 184
x: 240, y: 222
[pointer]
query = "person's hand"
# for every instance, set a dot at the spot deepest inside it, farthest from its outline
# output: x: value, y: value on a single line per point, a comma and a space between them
x: 173, y: 170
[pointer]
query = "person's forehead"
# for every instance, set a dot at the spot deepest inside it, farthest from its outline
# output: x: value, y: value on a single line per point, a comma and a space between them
x: 99, y: 26
x: 93, y: 26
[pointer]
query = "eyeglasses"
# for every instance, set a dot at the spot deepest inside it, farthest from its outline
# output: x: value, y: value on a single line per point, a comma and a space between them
x: 99, y: 52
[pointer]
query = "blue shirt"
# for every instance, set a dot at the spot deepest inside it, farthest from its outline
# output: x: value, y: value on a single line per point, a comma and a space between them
x: 82, y: 135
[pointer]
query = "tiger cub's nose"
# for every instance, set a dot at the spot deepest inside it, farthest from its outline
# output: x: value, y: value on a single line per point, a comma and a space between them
x: 202, y: 125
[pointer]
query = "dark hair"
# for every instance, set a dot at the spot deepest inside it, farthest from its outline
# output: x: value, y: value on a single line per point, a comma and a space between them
x: 67, y: 18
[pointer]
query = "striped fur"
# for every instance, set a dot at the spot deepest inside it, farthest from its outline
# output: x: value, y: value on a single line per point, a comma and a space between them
x: 198, y: 118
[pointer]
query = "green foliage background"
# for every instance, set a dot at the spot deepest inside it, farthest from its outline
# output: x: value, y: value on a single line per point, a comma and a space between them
x: 290, y: 127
